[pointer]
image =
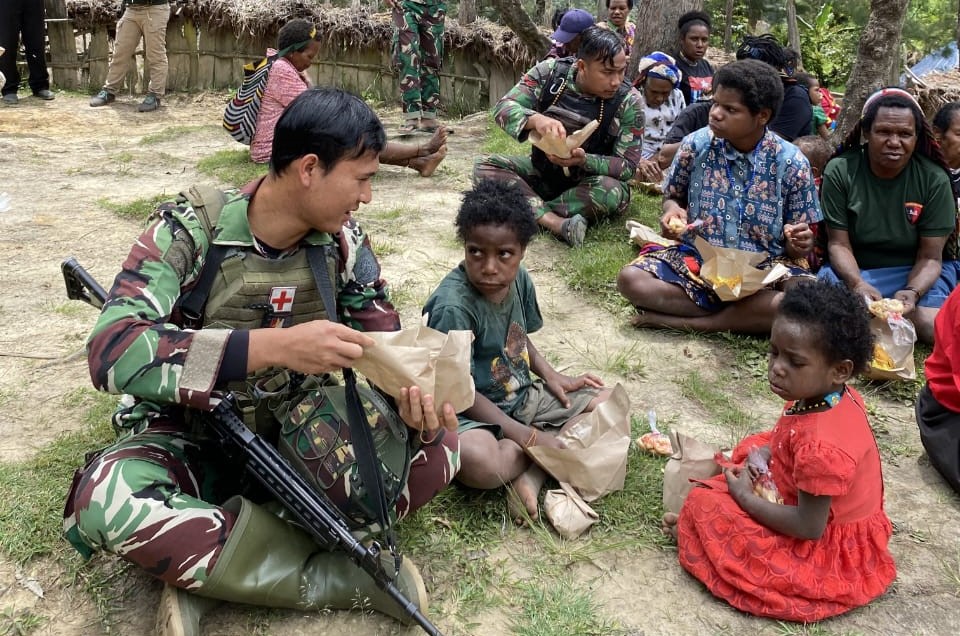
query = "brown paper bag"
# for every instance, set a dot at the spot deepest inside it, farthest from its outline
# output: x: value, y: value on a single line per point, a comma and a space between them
x: 567, y: 512
x: 642, y: 234
x: 692, y: 459
x: 732, y: 273
x: 553, y: 145
x: 892, y: 349
x: 595, y: 458
x: 437, y: 362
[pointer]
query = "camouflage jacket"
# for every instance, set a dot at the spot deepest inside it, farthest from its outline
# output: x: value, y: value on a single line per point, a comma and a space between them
x: 515, y: 108
x: 138, y: 346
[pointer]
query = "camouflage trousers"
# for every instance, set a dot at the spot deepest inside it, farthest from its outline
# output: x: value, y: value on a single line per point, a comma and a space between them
x: 148, y: 499
x: 418, y: 53
x: 595, y: 197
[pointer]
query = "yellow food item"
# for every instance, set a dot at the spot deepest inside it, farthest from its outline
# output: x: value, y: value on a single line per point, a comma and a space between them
x: 881, y: 359
x: 676, y: 224
x: 655, y: 443
x: 885, y: 306
x: 730, y: 282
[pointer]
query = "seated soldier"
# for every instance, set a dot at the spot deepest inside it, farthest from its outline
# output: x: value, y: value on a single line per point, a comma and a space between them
x: 558, y: 97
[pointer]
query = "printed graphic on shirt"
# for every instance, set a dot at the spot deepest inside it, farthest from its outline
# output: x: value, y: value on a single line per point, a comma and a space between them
x: 913, y: 211
x: 514, y: 365
x: 700, y: 88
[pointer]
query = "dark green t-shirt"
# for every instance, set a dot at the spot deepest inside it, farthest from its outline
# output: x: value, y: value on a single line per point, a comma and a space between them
x: 501, y: 360
x: 886, y: 217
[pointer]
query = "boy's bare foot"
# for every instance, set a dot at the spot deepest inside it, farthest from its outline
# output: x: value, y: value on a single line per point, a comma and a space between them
x: 668, y: 524
x: 523, y: 494
x: 437, y: 141
x: 427, y: 165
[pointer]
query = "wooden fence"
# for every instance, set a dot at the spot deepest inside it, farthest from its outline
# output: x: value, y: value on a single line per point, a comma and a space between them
x: 213, y: 58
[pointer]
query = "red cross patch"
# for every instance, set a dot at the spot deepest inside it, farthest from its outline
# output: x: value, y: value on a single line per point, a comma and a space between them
x: 281, y: 299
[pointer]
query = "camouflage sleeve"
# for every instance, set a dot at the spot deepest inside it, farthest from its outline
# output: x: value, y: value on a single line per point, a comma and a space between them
x: 514, y: 109
x: 629, y: 145
x: 363, y: 299
x: 135, y: 347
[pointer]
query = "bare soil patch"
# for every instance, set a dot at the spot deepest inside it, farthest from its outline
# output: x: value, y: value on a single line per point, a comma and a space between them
x: 60, y: 158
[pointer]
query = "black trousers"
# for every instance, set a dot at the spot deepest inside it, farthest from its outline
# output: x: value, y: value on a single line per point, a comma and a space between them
x: 23, y: 17
x: 940, y: 434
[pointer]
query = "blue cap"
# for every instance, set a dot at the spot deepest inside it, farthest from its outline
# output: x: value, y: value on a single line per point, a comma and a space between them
x: 573, y: 22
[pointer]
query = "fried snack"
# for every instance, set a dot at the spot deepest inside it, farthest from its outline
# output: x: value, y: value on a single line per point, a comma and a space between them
x: 881, y: 359
x: 677, y: 225
x: 730, y: 282
x: 657, y: 443
x: 884, y: 307
x: 763, y: 484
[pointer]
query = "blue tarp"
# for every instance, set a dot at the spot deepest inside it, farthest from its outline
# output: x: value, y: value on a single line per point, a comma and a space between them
x: 943, y: 59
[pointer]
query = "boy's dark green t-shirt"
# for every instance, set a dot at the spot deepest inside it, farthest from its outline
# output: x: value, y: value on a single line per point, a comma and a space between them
x: 885, y: 218
x: 500, y: 363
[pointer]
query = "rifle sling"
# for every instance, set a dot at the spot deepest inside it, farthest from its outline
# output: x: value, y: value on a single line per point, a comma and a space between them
x: 360, y: 436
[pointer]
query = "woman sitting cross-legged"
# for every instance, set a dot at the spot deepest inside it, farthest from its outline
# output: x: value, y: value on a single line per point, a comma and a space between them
x: 751, y: 190
x: 890, y: 209
x: 298, y: 45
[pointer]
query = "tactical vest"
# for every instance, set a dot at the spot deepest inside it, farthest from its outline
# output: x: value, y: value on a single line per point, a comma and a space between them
x: 575, y: 112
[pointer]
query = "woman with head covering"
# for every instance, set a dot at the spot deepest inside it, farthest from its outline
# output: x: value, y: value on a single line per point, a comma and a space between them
x: 693, y: 38
x: 890, y: 211
x: 659, y: 83
x: 795, y: 118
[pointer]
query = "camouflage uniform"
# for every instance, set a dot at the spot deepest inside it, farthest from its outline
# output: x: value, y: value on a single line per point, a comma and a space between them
x: 418, y: 54
x: 153, y: 497
x: 601, y: 189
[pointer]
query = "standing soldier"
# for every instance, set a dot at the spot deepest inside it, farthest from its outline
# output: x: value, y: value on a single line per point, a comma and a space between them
x: 558, y: 97
x: 418, y: 54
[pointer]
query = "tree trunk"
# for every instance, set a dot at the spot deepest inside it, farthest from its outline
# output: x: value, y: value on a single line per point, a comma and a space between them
x: 728, y: 28
x: 874, y: 59
x: 958, y: 35
x: 657, y: 28
x: 467, y: 12
x: 793, y: 33
x: 513, y: 15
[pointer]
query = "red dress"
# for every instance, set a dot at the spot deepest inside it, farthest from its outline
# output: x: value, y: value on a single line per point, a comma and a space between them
x: 765, y: 573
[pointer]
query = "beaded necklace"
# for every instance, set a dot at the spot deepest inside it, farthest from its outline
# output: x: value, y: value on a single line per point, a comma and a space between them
x: 829, y: 400
x: 741, y: 200
x: 559, y: 92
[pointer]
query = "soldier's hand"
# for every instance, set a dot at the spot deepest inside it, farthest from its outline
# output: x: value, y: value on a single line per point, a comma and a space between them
x: 546, y: 126
x: 578, y: 157
x: 318, y: 346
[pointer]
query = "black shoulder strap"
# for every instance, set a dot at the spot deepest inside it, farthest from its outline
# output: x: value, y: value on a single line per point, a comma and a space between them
x: 207, y: 202
x: 554, y: 85
x: 364, y: 449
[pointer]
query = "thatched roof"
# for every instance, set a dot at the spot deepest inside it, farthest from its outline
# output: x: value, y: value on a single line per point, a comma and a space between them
x: 340, y: 28
x: 938, y: 89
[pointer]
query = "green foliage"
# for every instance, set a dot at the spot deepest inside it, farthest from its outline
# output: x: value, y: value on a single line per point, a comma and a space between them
x: 136, y: 210
x: 558, y: 608
x: 826, y: 42
x: 232, y: 167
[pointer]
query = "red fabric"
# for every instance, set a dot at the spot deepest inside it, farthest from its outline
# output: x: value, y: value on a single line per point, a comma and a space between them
x: 829, y: 105
x: 769, y: 574
x: 942, y: 377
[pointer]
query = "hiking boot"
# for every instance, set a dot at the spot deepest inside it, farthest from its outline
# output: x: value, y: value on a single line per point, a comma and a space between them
x: 45, y: 94
x: 102, y: 98
x: 150, y: 103
x: 11, y: 98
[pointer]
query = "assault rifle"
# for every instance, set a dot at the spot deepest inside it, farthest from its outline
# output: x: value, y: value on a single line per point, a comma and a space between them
x: 310, y: 507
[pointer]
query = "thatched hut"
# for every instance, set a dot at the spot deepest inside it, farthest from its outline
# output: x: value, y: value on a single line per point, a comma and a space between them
x: 208, y: 41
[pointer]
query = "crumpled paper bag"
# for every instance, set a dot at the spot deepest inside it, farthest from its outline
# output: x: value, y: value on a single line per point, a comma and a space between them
x: 894, y: 337
x: 732, y: 273
x: 567, y: 512
x: 594, y: 461
x: 691, y: 459
x: 437, y: 362
x: 642, y: 234
x: 553, y: 145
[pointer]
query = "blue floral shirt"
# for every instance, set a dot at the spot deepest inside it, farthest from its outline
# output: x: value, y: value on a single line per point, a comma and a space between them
x: 744, y: 199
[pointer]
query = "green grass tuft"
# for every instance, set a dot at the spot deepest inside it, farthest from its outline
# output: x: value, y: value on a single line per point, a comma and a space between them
x: 559, y: 608
x: 500, y: 143
x: 232, y: 167
x: 136, y: 210
x: 174, y: 132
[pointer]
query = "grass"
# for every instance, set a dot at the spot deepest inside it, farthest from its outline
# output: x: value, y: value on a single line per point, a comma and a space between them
x: 720, y: 399
x: 20, y: 622
x: 233, y: 167
x: 558, y: 607
x: 174, y: 132
x: 136, y: 210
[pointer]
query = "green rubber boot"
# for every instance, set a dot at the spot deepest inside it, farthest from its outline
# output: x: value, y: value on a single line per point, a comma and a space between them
x: 267, y: 561
x: 180, y: 612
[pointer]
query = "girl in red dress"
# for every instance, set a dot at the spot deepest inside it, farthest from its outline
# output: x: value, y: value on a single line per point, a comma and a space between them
x: 823, y: 551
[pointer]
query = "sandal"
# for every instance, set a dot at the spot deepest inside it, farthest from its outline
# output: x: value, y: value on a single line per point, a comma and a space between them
x: 409, y: 128
x: 574, y: 230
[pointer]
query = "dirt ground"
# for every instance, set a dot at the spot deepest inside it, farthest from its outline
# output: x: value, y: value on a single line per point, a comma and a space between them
x: 59, y: 158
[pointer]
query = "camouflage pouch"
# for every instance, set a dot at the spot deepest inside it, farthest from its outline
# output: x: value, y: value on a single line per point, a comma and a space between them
x: 315, y: 439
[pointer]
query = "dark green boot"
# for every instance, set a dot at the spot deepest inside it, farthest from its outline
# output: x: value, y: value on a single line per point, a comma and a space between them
x: 180, y: 612
x: 267, y: 561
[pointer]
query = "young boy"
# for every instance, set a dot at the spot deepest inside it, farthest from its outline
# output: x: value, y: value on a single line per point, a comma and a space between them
x: 491, y: 294
x: 817, y: 151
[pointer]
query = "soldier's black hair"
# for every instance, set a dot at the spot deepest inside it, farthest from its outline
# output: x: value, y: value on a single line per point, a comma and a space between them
x: 944, y: 116
x: 499, y: 203
x: 839, y: 317
x: 629, y: 5
x: 295, y: 32
x: 327, y: 122
x: 759, y: 84
x: 600, y: 44
x: 691, y: 19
